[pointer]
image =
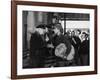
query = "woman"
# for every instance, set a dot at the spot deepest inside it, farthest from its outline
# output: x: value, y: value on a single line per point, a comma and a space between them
x: 63, y: 50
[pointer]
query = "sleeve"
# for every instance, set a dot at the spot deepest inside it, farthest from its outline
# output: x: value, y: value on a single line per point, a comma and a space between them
x: 68, y: 45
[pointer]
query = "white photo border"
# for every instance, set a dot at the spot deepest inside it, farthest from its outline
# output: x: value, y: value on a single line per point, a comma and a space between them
x: 21, y: 71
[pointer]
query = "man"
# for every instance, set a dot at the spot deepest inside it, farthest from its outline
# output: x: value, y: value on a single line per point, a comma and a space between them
x: 38, y: 47
x: 75, y: 38
x: 75, y: 41
x: 84, y: 49
x: 63, y: 49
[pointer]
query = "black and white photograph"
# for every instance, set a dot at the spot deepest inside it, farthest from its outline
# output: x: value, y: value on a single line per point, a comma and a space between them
x: 54, y: 39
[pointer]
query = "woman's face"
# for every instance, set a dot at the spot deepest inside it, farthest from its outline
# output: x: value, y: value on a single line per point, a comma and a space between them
x: 56, y: 31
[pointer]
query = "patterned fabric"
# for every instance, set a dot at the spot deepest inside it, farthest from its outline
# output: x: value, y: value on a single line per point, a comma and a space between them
x: 61, y: 49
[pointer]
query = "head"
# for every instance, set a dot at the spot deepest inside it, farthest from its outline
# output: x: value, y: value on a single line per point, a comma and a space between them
x: 58, y: 29
x: 84, y: 36
x: 77, y: 32
x: 73, y: 33
x: 69, y: 32
x: 41, y: 29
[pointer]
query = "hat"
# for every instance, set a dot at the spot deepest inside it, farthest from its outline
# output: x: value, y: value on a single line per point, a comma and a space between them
x: 43, y: 26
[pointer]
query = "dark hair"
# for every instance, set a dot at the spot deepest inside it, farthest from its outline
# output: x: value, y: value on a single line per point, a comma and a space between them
x: 43, y: 26
x: 50, y: 26
x: 79, y: 31
x: 73, y: 33
x: 86, y: 35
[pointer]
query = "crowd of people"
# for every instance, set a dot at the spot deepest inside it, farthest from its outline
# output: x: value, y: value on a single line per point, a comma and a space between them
x: 51, y: 47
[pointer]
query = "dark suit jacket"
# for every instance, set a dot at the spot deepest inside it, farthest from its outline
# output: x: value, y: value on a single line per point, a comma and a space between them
x: 36, y: 41
x: 84, y: 47
x: 77, y: 40
x: 37, y: 50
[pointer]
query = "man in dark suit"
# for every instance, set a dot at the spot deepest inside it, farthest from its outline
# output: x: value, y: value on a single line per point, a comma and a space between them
x: 75, y: 41
x: 38, y: 47
x: 84, y: 49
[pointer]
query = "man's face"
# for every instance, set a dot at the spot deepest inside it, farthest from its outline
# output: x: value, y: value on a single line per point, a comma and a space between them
x: 72, y: 33
x: 83, y: 36
x: 41, y: 31
x: 77, y: 33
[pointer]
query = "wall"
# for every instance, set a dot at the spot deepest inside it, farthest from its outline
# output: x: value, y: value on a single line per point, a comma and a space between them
x: 5, y: 40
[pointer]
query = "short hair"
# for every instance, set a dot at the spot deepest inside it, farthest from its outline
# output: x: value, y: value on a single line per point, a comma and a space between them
x: 43, y: 26
x: 59, y: 26
x: 86, y: 35
x: 49, y: 26
x: 79, y: 31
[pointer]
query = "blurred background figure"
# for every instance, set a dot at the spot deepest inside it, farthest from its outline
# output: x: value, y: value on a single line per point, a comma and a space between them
x: 75, y: 41
x: 68, y: 34
x: 84, y: 49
